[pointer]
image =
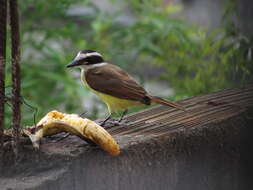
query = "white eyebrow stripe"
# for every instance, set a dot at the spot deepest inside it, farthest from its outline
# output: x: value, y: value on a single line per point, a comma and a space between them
x: 84, y: 55
x: 93, y: 53
x: 80, y: 56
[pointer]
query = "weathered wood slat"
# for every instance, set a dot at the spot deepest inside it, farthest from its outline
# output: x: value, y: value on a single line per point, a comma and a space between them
x: 161, y: 119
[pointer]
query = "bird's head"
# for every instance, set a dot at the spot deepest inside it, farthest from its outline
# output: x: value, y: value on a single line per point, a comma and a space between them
x: 86, y: 58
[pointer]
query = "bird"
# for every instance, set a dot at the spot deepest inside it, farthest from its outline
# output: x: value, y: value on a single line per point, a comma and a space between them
x: 117, y: 89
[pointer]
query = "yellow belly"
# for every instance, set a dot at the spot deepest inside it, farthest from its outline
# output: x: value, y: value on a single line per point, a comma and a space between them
x: 114, y: 104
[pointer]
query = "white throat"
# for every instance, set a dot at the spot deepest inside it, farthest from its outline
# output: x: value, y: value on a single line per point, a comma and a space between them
x: 87, y: 67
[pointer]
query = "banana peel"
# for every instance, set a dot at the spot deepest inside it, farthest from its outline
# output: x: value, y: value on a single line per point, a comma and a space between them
x: 55, y: 122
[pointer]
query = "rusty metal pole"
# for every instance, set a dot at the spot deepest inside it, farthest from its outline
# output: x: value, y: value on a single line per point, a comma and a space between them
x: 3, y: 23
x: 15, y: 54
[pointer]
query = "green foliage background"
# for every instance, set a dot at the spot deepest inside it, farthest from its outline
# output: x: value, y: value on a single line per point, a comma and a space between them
x: 194, y: 61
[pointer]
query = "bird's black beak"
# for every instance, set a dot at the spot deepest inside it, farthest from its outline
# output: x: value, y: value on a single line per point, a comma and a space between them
x: 73, y: 64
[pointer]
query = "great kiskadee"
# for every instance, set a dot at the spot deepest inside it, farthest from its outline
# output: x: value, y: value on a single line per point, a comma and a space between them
x: 113, y: 85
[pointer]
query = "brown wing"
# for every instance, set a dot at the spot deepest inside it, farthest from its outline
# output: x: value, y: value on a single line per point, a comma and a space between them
x: 112, y: 80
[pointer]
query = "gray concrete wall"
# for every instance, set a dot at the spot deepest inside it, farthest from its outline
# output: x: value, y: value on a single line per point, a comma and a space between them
x: 208, y: 148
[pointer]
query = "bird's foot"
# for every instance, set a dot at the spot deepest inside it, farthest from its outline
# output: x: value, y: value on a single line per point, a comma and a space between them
x: 110, y: 123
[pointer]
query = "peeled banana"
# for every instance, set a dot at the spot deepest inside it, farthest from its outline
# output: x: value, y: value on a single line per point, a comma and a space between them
x: 55, y: 122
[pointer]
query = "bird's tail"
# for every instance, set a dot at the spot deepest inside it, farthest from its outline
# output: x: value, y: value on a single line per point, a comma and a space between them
x: 158, y: 100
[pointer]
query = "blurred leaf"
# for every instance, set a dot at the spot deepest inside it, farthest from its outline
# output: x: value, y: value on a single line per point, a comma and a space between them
x: 192, y: 60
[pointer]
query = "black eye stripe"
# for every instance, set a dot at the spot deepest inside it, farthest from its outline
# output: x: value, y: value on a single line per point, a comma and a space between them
x: 93, y: 59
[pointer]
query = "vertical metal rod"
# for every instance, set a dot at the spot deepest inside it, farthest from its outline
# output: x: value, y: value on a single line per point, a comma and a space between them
x: 3, y: 23
x: 15, y: 54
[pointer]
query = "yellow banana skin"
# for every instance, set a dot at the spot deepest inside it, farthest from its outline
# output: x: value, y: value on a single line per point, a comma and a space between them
x: 55, y: 122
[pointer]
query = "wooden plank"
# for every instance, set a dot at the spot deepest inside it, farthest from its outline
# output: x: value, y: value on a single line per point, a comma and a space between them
x: 203, y: 110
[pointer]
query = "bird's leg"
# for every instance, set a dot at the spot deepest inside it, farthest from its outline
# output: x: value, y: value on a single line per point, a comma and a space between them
x: 106, y: 119
x: 113, y: 123
x: 82, y: 114
x: 123, y: 114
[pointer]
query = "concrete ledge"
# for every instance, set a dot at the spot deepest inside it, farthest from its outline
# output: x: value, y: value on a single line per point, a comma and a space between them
x: 208, y: 148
